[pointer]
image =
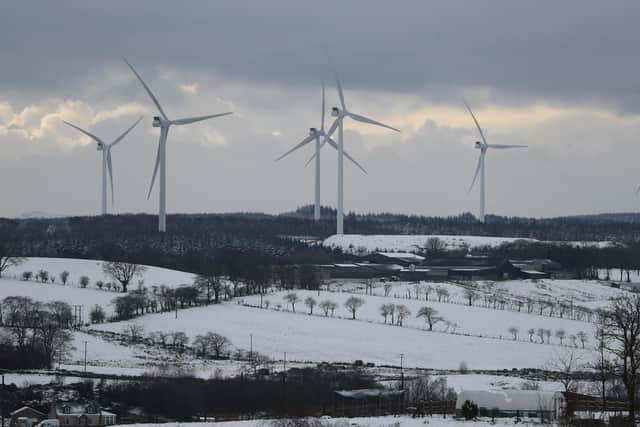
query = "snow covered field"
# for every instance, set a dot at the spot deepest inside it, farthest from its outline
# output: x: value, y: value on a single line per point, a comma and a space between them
x: 93, y: 269
x: 318, y: 339
x: 363, y: 244
x: 473, y: 320
x: 388, y: 421
x: 46, y: 292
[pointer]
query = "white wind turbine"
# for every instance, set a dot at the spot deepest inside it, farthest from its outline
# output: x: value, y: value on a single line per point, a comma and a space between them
x: 340, y: 114
x: 483, y: 147
x: 106, y: 159
x: 164, y: 123
x: 315, y: 134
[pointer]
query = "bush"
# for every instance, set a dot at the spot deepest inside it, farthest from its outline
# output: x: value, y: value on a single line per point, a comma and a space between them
x: 26, y: 275
x: 84, y: 281
x: 469, y: 410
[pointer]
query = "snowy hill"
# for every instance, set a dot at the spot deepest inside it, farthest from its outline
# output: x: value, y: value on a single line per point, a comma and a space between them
x: 362, y: 244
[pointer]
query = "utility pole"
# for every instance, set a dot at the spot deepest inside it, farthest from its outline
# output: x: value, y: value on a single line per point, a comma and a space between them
x: 401, y: 371
x: 85, y: 356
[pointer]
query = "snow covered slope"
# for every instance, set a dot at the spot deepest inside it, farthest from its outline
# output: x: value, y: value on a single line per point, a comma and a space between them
x: 93, y: 269
x: 363, y: 244
x: 313, y: 338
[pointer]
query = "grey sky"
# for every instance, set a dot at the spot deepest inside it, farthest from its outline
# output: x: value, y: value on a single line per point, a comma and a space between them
x: 558, y: 76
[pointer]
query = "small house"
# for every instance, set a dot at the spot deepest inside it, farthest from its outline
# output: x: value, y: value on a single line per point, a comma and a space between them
x: 81, y: 415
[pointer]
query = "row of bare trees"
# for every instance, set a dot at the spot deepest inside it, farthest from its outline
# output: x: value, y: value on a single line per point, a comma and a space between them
x: 37, y: 331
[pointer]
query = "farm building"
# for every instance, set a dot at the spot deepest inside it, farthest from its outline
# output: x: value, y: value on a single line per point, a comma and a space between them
x: 25, y: 417
x: 514, y: 403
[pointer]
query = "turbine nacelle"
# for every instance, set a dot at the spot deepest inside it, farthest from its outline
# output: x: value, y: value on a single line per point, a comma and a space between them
x: 313, y: 131
x: 335, y: 112
x: 100, y: 146
x: 478, y: 144
x: 159, y: 122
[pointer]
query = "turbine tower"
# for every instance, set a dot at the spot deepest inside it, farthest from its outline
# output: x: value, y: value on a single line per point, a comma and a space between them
x: 164, y: 123
x: 340, y: 114
x: 315, y: 134
x: 106, y: 159
x: 483, y: 147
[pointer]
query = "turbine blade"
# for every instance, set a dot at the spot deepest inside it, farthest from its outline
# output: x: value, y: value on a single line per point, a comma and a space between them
x: 332, y: 128
x: 153, y: 97
x: 121, y: 137
x: 340, y: 94
x: 322, y: 111
x: 638, y: 190
x: 335, y: 145
x: 110, y: 169
x: 475, y: 176
x: 89, y: 134
x: 304, y: 142
x: 475, y: 121
x: 324, y: 141
x: 364, y: 119
x: 504, y: 147
x: 155, y: 169
x: 190, y: 120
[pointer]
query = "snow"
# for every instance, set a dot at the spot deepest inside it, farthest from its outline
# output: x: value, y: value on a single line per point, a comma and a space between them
x: 387, y: 421
x: 477, y: 321
x: 12, y: 285
x: 364, y: 244
x: 46, y: 292
x: 93, y: 269
x: 509, y: 400
x: 318, y: 339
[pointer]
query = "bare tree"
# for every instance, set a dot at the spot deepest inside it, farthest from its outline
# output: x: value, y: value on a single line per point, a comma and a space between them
x: 123, y: 272
x: 133, y: 331
x: 211, y: 285
x: 310, y: 302
x: 514, y: 332
x: 387, y: 288
x: 325, y: 306
x: 540, y: 333
x: 427, y: 290
x: 292, y: 298
x: 620, y: 327
x: 430, y: 316
x: 401, y: 311
x: 64, y: 277
x: 84, y: 281
x: 531, y: 333
x: 384, y: 311
x: 353, y: 304
x: 471, y: 295
x: 43, y: 275
x: 566, y: 363
x: 7, y: 261
x: 561, y: 334
x: 582, y: 336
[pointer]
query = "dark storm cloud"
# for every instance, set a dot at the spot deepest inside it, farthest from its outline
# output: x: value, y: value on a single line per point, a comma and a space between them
x: 572, y: 50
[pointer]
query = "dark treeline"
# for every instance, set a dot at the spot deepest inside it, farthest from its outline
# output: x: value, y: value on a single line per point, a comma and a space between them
x: 200, y: 243
x: 302, y: 392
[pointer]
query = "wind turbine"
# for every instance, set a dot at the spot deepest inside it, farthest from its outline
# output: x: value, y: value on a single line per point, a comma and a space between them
x: 483, y: 147
x: 106, y: 159
x: 340, y: 114
x: 315, y: 134
x: 164, y: 123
